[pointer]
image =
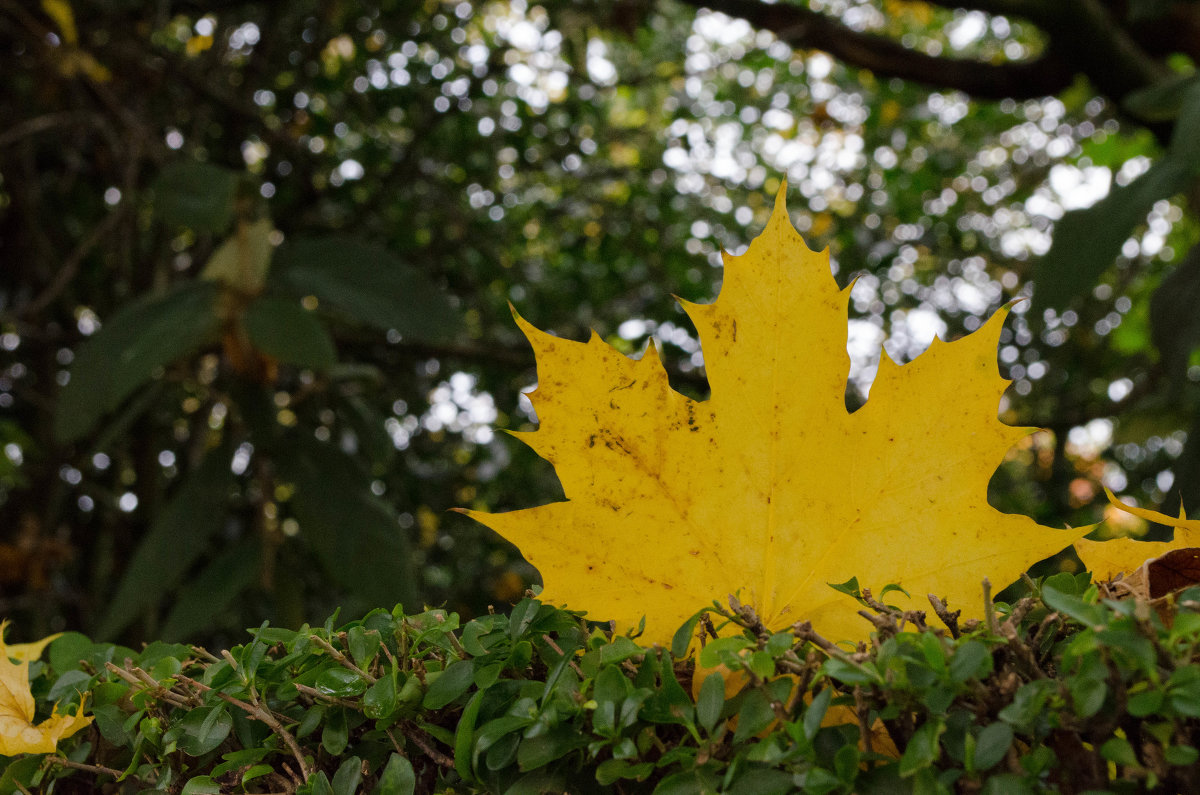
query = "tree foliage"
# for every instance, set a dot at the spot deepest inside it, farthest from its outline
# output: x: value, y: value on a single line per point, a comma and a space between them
x: 257, y: 261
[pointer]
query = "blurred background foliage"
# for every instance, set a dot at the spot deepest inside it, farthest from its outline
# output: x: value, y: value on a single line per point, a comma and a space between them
x: 256, y: 260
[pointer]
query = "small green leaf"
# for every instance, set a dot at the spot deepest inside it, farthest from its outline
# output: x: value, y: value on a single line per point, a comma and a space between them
x: 380, y: 700
x: 454, y: 681
x: 203, y: 729
x: 991, y: 746
x: 815, y: 713
x: 755, y: 715
x: 340, y: 683
x: 364, y: 645
x: 710, y: 701
x: 1089, y: 615
x: 1118, y: 750
x: 923, y: 748
x: 348, y: 777
x: 1181, y: 755
x: 397, y: 778
x: 201, y: 785
x: 335, y: 735
x: 971, y: 660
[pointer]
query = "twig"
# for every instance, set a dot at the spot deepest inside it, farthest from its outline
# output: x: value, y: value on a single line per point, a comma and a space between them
x: 574, y: 666
x: 98, y: 769
x: 328, y: 699
x: 256, y: 711
x: 945, y: 616
x: 341, y: 658
x: 989, y: 607
x: 414, y: 733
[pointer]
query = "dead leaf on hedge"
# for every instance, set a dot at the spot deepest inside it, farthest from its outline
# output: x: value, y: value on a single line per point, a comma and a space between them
x: 770, y: 488
x: 18, y: 734
x: 1107, y: 559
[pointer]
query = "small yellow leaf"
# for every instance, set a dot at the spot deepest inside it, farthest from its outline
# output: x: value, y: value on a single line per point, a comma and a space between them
x: 198, y: 44
x: 18, y: 734
x: 242, y: 261
x: 1107, y: 559
x: 60, y: 11
x: 770, y: 488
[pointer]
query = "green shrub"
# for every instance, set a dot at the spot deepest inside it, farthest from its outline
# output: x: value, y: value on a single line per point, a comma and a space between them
x: 1065, y: 690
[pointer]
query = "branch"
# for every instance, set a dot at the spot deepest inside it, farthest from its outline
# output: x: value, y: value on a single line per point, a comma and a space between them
x: 801, y: 27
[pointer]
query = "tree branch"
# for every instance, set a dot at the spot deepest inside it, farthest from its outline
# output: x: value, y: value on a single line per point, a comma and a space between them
x: 801, y: 27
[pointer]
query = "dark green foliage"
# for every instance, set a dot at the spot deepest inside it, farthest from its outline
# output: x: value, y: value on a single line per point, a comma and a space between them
x: 1068, y: 690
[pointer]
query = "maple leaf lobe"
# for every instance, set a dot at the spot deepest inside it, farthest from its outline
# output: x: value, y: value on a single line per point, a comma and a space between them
x: 770, y: 488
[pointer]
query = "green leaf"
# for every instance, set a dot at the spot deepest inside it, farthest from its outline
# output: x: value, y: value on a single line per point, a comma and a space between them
x: 755, y: 715
x: 281, y: 328
x: 1086, y: 242
x: 203, y: 729
x: 971, y: 660
x: 1118, y: 750
x: 366, y: 284
x: 256, y: 771
x: 381, y: 700
x: 698, y: 781
x: 397, y: 778
x: 539, y: 751
x: 923, y: 749
x: 354, y: 533
x: 129, y: 350
x: 201, y: 785
x: 763, y: 781
x: 683, y: 636
x: 1089, y: 615
x: 335, y: 735
x: 318, y: 784
x: 179, y: 535
x: 1182, y: 755
x: 205, y: 598
x: 453, y: 682
x: 710, y: 701
x: 1145, y: 703
x: 197, y: 195
x: 991, y: 745
x: 1174, y: 321
x: 464, y: 737
x: 714, y: 651
x: 348, y: 777
x: 340, y: 683
x: 815, y: 713
x: 1161, y: 101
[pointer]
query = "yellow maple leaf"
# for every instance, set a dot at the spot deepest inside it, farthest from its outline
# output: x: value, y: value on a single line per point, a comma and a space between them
x: 1107, y: 559
x: 18, y: 734
x: 770, y: 488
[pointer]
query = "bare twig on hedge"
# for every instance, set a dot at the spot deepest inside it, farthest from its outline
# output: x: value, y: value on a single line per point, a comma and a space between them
x: 328, y: 699
x: 205, y: 653
x: 258, y: 712
x: 98, y: 769
x: 945, y: 616
x: 345, y: 661
x: 989, y: 607
x: 862, y: 711
x: 574, y: 666
x: 143, y: 680
x: 420, y: 739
